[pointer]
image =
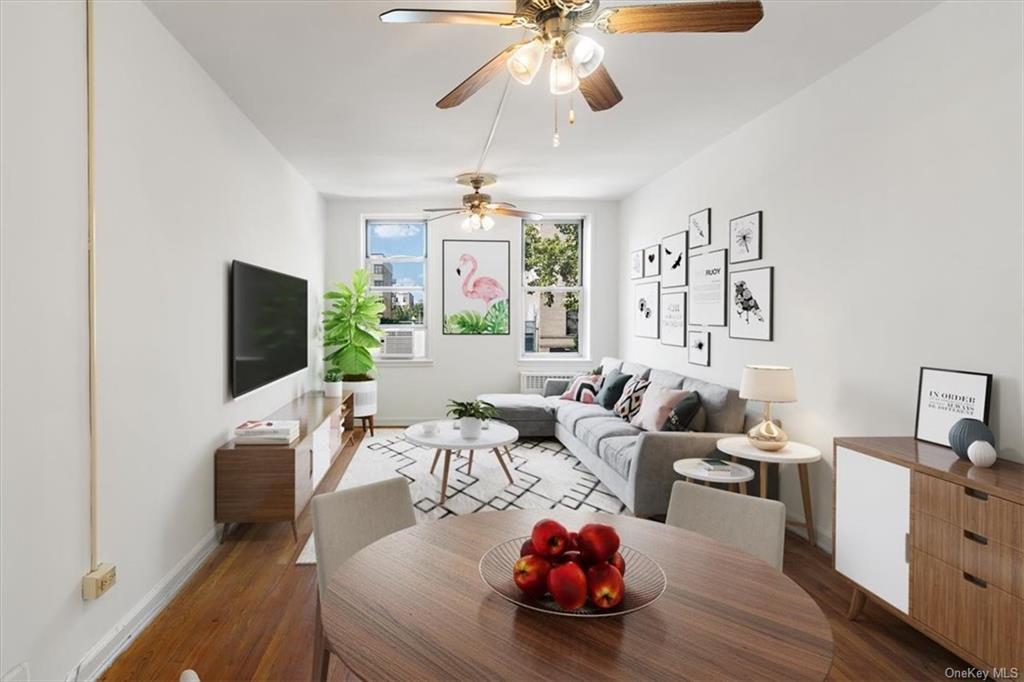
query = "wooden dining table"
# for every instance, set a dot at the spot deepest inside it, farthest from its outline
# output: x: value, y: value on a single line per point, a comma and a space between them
x: 413, y: 606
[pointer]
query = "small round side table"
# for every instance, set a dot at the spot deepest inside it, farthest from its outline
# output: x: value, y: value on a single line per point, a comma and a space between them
x: 736, y: 475
x: 794, y: 453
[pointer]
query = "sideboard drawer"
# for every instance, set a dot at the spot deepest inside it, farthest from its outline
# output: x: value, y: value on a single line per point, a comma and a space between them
x: 993, y: 562
x: 992, y: 517
x: 937, y: 497
x: 939, y: 538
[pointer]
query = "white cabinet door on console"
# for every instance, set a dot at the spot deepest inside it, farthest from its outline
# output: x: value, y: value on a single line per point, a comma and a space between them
x: 873, y: 525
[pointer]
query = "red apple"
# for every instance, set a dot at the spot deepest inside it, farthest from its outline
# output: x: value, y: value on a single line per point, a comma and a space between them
x: 572, y: 541
x: 531, y: 574
x: 572, y: 556
x: 605, y: 586
x: 597, y: 542
x: 618, y: 562
x: 568, y: 585
x: 549, y: 538
x: 527, y: 548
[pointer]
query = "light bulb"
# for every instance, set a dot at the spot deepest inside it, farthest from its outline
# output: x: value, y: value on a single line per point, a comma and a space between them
x: 584, y: 53
x: 563, y: 76
x: 487, y: 222
x: 471, y: 223
x: 554, y: 140
x: 572, y: 115
x: 526, y: 60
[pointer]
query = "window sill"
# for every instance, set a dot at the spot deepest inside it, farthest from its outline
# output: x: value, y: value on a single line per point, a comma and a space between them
x: 526, y: 360
x: 411, y: 362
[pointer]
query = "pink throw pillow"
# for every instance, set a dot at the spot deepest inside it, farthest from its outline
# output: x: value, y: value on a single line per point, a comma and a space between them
x: 584, y: 389
x: 656, y: 406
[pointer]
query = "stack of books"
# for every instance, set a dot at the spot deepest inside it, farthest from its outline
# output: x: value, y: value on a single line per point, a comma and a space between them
x: 264, y: 432
x: 715, y: 465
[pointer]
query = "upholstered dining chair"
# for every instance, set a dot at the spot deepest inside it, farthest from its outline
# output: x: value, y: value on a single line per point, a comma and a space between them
x: 344, y: 522
x: 753, y: 524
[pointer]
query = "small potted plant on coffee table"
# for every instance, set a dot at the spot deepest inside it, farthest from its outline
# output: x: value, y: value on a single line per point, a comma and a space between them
x: 471, y: 415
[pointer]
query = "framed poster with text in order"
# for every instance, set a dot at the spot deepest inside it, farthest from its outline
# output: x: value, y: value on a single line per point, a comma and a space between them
x: 945, y: 396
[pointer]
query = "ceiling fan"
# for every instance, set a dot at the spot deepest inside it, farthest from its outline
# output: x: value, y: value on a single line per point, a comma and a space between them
x: 575, y: 58
x: 478, y: 207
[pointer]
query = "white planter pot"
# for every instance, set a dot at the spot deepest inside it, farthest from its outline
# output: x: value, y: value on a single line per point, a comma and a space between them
x: 364, y: 397
x: 469, y: 427
x: 332, y: 389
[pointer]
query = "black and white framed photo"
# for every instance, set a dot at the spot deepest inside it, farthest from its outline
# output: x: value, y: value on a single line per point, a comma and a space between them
x: 708, y: 273
x: 945, y: 396
x: 698, y: 346
x: 745, y: 238
x: 674, y: 260
x: 652, y: 261
x: 700, y: 228
x: 673, y: 318
x: 750, y: 310
x: 636, y: 264
x: 645, y: 309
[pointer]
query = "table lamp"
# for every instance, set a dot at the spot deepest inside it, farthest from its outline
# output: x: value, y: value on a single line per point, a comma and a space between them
x: 769, y: 385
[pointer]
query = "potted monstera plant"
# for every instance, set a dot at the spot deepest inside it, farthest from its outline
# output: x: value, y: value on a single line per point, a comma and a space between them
x: 351, y: 331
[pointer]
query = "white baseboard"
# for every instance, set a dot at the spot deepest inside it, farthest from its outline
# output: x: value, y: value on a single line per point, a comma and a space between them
x: 105, y: 651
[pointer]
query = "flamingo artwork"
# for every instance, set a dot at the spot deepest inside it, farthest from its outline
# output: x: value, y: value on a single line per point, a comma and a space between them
x: 487, y: 289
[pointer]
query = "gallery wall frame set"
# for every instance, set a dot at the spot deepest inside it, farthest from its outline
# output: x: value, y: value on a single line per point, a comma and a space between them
x: 647, y: 309
x: 752, y: 306
x: 698, y: 347
x: 636, y: 264
x: 475, y: 284
x: 652, y: 261
x: 708, y: 277
x: 700, y: 228
x: 945, y: 396
x: 745, y: 238
x: 672, y: 318
x: 675, y: 260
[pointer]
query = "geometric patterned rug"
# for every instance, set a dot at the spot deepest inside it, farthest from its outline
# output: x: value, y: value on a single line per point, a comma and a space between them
x: 546, y: 476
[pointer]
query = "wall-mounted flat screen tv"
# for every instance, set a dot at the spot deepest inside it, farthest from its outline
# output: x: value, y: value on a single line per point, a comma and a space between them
x: 269, y: 332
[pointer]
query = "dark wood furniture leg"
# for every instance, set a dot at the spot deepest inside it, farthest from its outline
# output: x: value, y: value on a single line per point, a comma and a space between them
x: 444, y: 476
x: 764, y: 479
x: 497, y: 453
x: 805, y: 490
x: 321, y: 654
x: 371, y: 426
x: 437, y: 456
x: 857, y: 600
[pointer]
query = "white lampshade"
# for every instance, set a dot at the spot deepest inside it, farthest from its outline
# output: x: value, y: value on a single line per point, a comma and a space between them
x: 472, y: 223
x: 584, y: 53
x: 563, y: 76
x: 768, y: 383
x: 526, y: 60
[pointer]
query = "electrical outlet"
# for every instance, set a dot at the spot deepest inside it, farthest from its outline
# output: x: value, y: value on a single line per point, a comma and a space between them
x: 18, y: 673
x: 96, y: 583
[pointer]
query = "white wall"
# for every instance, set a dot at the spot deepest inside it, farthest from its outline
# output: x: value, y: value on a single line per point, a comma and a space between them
x: 891, y: 192
x: 464, y: 366
x: 185, y: 184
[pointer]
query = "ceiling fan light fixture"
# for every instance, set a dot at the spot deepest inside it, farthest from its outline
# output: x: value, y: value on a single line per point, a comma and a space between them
x: 586, y: 54
x: 486, y: 223
x: 472, y: 223
x: 525, y: 62
x: 563, y: 79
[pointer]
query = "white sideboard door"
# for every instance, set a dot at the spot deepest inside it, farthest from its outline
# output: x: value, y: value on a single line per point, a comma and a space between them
x: 873, y: 525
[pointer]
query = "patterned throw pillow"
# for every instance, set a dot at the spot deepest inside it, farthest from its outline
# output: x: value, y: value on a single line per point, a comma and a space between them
x: 632, y: 397
x: 583, y: 389
x: 656, y: 407
x: 683, y: 415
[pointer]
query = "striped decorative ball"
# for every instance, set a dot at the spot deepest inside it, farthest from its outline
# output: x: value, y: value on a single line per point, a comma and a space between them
x: 965, y: 432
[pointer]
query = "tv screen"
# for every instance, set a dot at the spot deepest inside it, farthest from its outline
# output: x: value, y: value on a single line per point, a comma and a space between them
x: 269, y: 334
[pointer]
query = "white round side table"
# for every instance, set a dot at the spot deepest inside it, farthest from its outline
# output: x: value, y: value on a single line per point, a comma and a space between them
x: 800, y: 454
x: 736, y: 475
x: 449, y: 439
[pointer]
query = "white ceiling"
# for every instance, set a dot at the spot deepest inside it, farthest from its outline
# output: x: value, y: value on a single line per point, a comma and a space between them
x: 350, y: 101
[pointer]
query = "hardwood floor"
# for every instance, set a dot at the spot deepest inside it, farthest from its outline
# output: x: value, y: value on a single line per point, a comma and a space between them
x: 248, y: 614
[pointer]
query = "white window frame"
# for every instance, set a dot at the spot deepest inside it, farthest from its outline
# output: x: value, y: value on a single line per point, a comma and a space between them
x: 369, y: 261
x: 583, y: 320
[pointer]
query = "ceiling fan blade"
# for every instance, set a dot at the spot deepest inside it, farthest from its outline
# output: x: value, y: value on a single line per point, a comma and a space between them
x: 498, y: 204
x: 441, y: 210
x: 501, y: 210
x: 691, y: 17
x: 480, y: 78
x: 444, y: 16
x: 443, y: 215
x: 600, y: 90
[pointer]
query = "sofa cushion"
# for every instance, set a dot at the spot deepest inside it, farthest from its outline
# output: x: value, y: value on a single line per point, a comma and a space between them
x: 629, y: 404
x: 636, y: 369
x: 516, y: 407
x: 583, y: 389
x: 593, y: 431
x: 611, y: 389
x: 570, y: 413
x: 663, y: 377
x: 656, y: 406
x: 609, y: 363
x: 723, y: 405
x: 683, y: 413
x: 618, y: 452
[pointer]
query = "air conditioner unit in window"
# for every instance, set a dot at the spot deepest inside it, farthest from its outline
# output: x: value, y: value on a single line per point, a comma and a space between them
x: 398, y: 343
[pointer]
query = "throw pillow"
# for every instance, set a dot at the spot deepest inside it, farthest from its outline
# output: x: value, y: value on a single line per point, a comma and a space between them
x: 583, y: 389
x: 682, y: 416
x: 611, y: 389
x: 656, y: 406
x: 632, y: 395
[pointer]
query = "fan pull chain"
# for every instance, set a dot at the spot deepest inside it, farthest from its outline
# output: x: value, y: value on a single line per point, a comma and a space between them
x: 554, y: 138
x: 572, y: 110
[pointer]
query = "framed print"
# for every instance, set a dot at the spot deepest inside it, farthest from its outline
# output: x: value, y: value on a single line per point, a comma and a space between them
x: 645, y: 310
x: 745, y: 238
x: 698, y: 347
x: 750, y: 310
x: 707, y: 288
x: 674, y: 260
x: 700, y: 228
x: 636, y: 264
x: 652, y: 261
x: 673, y: 318
x: 944, y: 397
x: 475, y: 285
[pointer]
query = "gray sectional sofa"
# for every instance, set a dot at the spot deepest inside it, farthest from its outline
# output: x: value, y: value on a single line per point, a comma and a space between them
x: 634, y: 464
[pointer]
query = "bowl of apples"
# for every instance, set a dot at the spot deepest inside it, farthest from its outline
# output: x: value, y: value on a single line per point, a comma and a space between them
x: 586, y: 573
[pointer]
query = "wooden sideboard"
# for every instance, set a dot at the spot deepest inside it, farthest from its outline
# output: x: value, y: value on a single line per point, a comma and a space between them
x: 273, y: 483
x: 936, y: 541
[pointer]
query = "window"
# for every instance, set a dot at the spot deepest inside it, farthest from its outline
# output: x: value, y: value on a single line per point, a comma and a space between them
x: 553, y: 291
x: 396, y: 256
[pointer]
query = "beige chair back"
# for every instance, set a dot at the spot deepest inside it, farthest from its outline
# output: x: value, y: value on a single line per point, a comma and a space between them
x: 345, y: 521
x: 752, y: 524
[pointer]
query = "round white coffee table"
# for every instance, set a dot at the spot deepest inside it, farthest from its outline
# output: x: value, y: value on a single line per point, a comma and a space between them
x: 736, y: 475
x: 794, y: 453
x: 448, y: 439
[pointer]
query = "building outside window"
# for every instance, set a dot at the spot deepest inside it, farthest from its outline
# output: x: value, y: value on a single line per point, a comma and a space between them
x: 396, y: 256
x: 553, y: 288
